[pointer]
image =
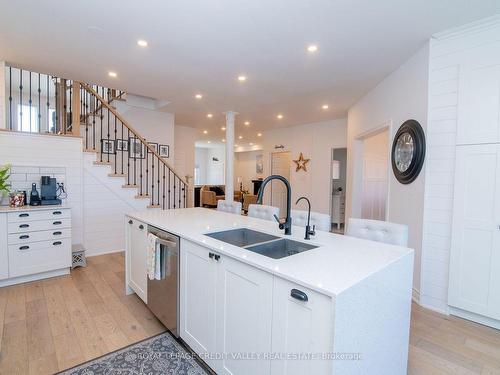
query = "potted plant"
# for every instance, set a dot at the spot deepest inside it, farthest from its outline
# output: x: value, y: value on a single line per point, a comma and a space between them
x: 4, y: 185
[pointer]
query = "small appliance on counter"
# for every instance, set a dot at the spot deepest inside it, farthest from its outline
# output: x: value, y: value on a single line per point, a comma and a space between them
x: 49, y: 191
x: 34, y: 196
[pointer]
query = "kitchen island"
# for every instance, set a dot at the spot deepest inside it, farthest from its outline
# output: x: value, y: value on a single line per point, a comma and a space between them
x: 342, y: 307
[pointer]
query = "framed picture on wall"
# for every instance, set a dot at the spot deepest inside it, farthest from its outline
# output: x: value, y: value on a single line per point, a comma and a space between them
x: 107, y: 146
x: 135, y: 148
x: 121, y: 145
x: 259, y: 164
x: 164, y: 151
x: 153, y: 145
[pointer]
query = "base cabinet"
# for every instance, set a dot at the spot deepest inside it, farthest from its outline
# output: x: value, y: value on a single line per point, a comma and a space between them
x: 4, y: 252
x: 300, y: 326
x: 136, y: 244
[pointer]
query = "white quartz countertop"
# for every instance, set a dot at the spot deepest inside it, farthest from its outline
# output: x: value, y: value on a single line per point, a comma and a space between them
x: 32, y: 208
x: 339, y: 262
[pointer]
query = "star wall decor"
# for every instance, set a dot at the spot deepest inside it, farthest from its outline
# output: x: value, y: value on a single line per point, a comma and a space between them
x: 301, y: 163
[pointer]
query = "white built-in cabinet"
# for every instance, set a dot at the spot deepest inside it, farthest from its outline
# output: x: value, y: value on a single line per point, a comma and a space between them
x: 136, y: 251
x: 475, y: 255
x: 4, y: 252
x: 230, y: 307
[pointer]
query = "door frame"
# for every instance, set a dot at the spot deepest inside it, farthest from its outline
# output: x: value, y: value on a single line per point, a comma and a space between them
x: 357, y: 167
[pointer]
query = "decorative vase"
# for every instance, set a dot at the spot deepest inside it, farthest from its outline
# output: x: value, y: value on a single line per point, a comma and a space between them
x: 16, y: 199
x: 4, y: 199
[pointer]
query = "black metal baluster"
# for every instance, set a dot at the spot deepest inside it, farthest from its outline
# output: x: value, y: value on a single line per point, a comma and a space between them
x: 115, y: 144
x: 158, y: 181
x: 128, y: 156
x: 163, y: 186
x: 71, y: 105
x: 62, y: 90
x: 147, y: 169
x: 57, y: 88
x: 20, y: 125
x: 122, y: 146
x: 152, y: 179
x: 174, y: 190
x: 30, y: 99
x: 100, y: 134
x: 184, y: 193
x: 169, y: 171
x: 108, y: 130
x: 10, y: 98
x: 39, y: 106
x: 180, y: 192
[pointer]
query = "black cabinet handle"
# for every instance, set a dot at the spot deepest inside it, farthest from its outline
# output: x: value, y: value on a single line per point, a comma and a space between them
x: 56, y: 213
x: 23, y: 237
x: 24, y: 226
x: 298, y: 294
x: 211, y: 255
x: 24, y: 248
x: 141, y: 227
x: 130, y: 222
x: 57, y: 223
x: 57, y: 233
x: 217, y: 257
x: 57, y: 243
x: 24, y: 215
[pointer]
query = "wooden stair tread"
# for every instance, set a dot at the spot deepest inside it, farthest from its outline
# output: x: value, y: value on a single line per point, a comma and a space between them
x: 90, y: 150
x: 103, y: 163
x: 144, y: 196
x: 154, y: 206
x: 127, y: 186
x: 117, y: 175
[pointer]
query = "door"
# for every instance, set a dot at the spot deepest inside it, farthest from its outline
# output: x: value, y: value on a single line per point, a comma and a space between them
x: 137, y: 243
x: 244, y: 314
x: 280, y: 165
x: 479, y: 97
x: 475, y: 247
x: 300, y: 327
x: 197, y: 304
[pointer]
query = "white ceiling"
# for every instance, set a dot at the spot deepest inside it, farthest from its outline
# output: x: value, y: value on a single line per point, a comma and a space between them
x: 202, y: 46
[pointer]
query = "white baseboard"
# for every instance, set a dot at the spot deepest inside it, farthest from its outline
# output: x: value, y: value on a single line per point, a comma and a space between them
x: 104, y: 253
x: 484, y: 320
x: 35, y: 277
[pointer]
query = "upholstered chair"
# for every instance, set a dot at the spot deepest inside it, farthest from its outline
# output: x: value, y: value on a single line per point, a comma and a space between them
x: 263, y: 212
x: 231, y: 207
x: 321, y: 221
x: 380, y: 231
x: 248, y: 199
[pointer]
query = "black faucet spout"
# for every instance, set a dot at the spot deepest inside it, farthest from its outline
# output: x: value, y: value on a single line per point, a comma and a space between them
x: 287, y: 225
x: 309, y: 232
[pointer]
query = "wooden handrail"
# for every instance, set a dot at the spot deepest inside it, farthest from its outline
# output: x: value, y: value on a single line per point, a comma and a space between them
x: 132, y: 130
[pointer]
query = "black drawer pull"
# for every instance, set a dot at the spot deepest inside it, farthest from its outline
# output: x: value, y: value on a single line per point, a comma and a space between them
x: 141, y: 227
x: 24, y: 248
x: 24, y: 226
x: 298, y: 294
x: 56, y: 213
x: 24, y: 215
x: 57, y: 223
x: 24, y: 236
x: 217, y: 257
x: 56, y: 233
x: 57, y: 243
x: 211, y: 255
x: 130, y: 222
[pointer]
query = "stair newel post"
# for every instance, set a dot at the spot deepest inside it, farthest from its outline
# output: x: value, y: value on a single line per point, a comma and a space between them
x: 75, y: 109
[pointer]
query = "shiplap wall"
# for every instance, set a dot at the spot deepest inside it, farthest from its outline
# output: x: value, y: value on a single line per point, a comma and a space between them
x: 447, y: 53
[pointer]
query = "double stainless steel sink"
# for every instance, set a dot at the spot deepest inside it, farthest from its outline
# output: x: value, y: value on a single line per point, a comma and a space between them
x: 261, y: 243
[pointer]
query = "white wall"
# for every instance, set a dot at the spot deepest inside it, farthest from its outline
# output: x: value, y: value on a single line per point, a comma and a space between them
x: 2, y: 94
x: 399, y: 97
x: 212, y: 172
x: 244, y: 167
x: 315, y: 141
x: 184, y: 156
x: 448, y: 52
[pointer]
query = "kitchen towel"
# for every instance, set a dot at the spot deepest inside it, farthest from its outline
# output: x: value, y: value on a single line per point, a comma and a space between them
x: 152, y: 250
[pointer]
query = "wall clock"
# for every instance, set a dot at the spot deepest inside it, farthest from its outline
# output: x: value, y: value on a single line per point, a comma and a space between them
x: 408, y: 152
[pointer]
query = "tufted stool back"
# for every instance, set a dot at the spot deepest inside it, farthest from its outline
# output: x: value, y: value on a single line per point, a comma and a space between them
x: 231, y: 207
x: 263, y: 212
x: 322, y: 221
x: 380, y: 231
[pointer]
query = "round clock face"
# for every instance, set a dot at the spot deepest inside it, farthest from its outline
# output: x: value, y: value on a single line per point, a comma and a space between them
x: 404, y: 152
x: 408, y: 152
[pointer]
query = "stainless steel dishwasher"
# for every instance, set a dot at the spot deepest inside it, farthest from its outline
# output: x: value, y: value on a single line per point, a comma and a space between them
x: 163, y: 294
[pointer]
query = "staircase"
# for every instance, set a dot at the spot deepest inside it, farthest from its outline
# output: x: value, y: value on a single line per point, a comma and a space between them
x: 110, y: 142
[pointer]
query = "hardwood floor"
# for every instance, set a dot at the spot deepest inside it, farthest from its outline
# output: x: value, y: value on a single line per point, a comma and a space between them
x: 47, y: 326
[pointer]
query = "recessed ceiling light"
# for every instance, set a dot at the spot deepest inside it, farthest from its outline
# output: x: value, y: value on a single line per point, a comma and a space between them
x: 325, y: 106
x: 209, y: 115
x: 208, y: 141
x: 142, y: 43
x: 280, y: 116
x: 247, y: 123
x: 223, y: 140
x: 240, y: 137
x: 198, y: 96
x: 242, y: 78
x: 312, y: 48
x: 235, y: 145
x: 223, y: 128
x: 205, y: 131
x: 112, y: 74
x: 259, y: 134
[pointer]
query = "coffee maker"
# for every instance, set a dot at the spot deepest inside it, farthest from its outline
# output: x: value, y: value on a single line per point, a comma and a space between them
x: 49, y: 191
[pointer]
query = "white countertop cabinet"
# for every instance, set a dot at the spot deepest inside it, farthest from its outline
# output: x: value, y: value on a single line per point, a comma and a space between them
x: 35, y: 243
x: 136, y: 243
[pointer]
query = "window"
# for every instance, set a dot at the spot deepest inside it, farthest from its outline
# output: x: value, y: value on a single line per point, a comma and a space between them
x: 27, y: 118
x: 197, y: 175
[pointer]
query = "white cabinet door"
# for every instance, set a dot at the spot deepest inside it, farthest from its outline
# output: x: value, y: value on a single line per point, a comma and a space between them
x: 197, y: 295
x: 244, y: 315
x: 479, y: 97
x: 4, y: 257
x: 300, y: 327
x: 137, y: 242
x: 475, y: 247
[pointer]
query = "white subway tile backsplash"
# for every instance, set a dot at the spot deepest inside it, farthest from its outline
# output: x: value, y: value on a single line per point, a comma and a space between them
x: 52, y: 170
x: 21, y: 169
x: 33, y: 177
x: 17, y: 177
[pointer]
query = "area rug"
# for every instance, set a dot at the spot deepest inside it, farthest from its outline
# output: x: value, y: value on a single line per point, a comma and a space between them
x: 157, y: 355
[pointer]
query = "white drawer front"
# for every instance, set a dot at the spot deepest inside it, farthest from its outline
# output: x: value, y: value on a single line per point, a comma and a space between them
x: 27, y: 259
x: 31, y: 226
x: 47, y: 235
x: 23, y: 216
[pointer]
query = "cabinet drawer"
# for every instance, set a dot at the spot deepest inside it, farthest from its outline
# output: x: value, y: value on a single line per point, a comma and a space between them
x: 31, y: 226
x: 27, y: 259
x: 46, y: 235
x: 23, y: 216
